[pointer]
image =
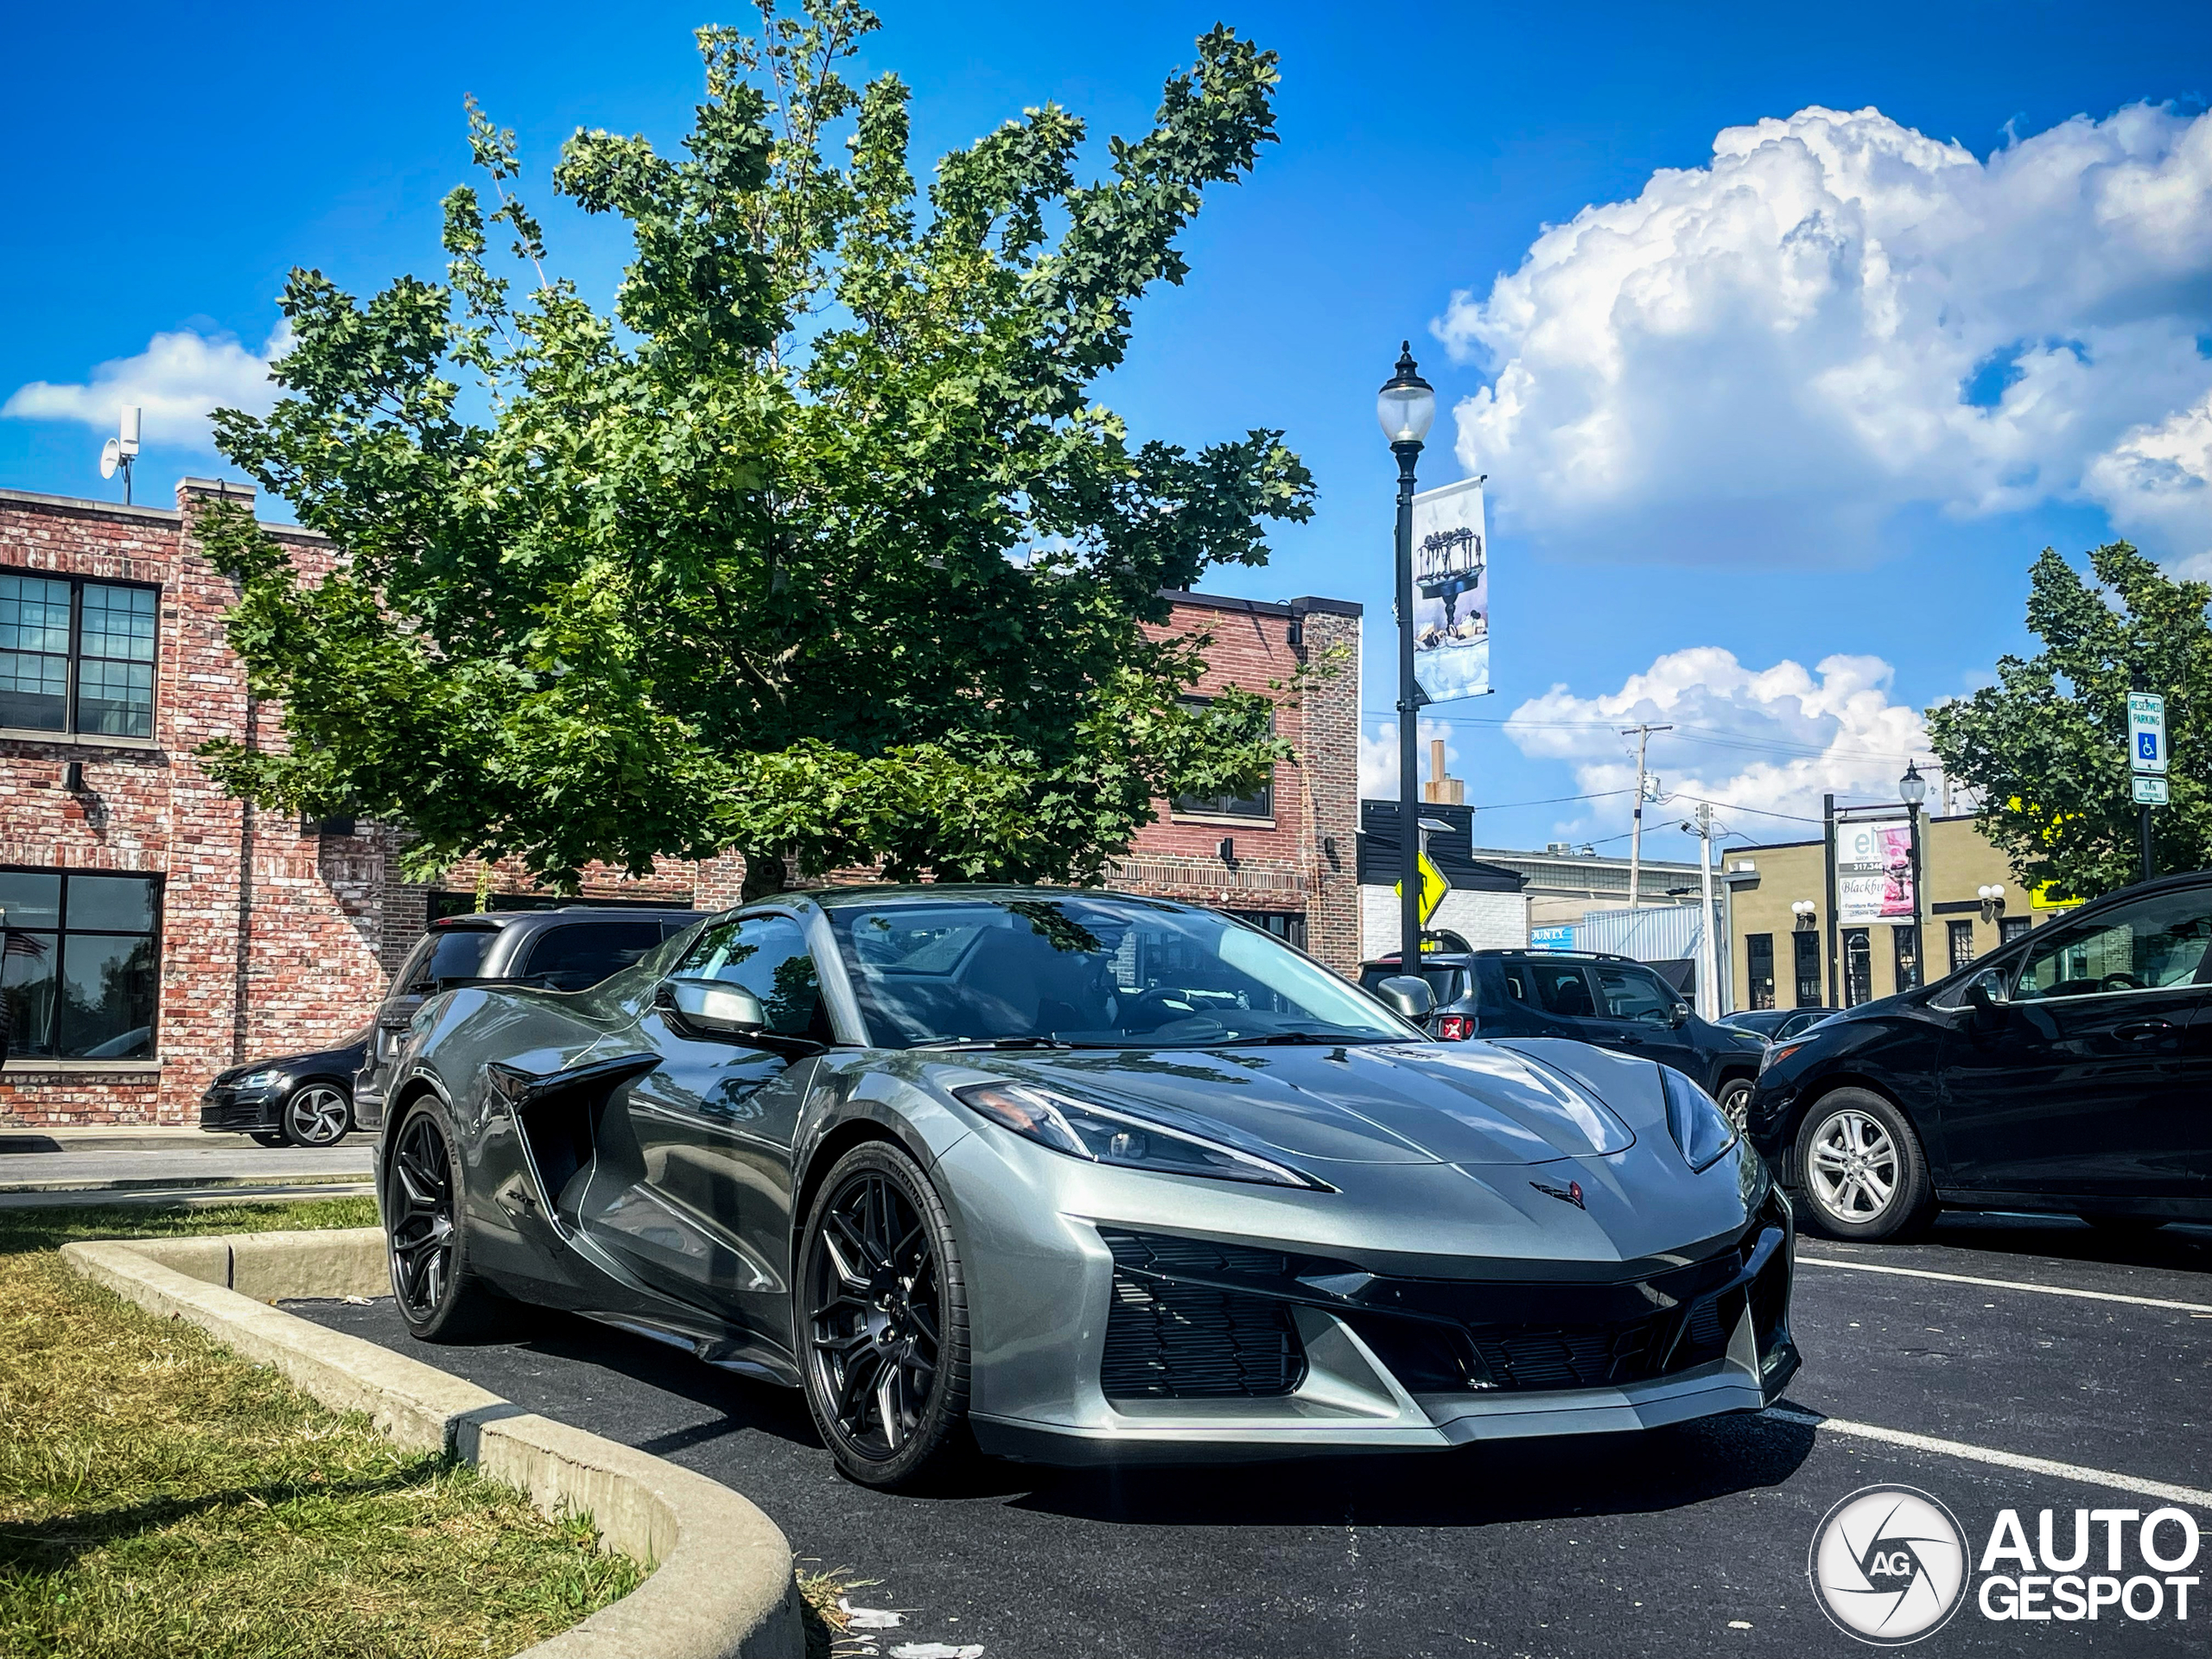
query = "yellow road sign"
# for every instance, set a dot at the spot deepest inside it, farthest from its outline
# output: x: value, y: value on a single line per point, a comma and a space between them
x: 1433, y: 887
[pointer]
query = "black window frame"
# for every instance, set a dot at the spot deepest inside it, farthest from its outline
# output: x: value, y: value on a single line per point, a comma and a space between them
x: 1759, y: 969
x: 1959, y: 932
x: 1857, y: 966
x: 2010, y: 928
x: 1256, y: 808
x: 74, y: 658
x: 1288, y: 926
x: 1904, y: 956
x: 48, y: 1043
x: 1806, y: 967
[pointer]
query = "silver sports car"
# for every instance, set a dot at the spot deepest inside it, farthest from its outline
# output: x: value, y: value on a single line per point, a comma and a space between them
x: 1088, y: 1176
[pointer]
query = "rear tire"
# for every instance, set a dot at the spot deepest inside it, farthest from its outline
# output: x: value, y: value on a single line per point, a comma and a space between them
x: 880, y: 1314
x: 439, y: 1293
x: 1860, y: 1169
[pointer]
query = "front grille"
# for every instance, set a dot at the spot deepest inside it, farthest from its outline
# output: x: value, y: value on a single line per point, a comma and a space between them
x: 1171, y: 1340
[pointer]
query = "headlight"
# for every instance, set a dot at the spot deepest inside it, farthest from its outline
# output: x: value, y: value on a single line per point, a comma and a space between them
x: 1700, y: 1128
x: 257, y: 1079
x: 1782, y: 1052
x: 1102, y: 1135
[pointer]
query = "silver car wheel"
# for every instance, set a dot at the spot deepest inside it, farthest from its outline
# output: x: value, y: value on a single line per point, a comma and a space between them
x: 317, y: 1116
x: 1852, y: 1172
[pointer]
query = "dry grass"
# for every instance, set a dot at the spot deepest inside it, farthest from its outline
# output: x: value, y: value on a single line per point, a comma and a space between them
x: 159, y: 1496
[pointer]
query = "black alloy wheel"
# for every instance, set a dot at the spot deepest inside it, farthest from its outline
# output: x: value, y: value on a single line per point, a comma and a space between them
x: 884, y: 1317
x: 439, y: 1296
x: 316, y: 1114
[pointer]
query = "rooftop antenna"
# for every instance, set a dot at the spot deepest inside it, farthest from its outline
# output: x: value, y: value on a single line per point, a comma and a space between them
x: 122, y: 449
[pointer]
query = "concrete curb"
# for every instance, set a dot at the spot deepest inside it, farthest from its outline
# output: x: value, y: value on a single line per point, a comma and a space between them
x: 721, y: 1585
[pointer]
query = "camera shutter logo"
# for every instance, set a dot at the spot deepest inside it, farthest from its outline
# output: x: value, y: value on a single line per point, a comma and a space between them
x: 1888, y: 1565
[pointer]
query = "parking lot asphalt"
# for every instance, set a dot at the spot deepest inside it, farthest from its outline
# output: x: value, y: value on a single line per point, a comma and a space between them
x: 38, y: 1170
x: 1690, y: 1540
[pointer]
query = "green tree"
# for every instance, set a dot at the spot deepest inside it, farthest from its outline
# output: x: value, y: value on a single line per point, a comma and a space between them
x: 2045, y: 748
x: 815, y: 547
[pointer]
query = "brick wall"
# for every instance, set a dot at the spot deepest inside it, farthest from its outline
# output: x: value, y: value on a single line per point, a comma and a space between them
x: 1301, y: 860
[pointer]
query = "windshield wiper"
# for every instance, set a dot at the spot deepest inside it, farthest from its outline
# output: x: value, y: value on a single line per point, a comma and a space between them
x: 963, y: 1043
x: 1333, y: 1039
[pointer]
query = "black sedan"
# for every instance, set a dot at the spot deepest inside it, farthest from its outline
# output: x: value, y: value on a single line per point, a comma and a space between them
x: 2069, y: 1071
x: 301, y: 1100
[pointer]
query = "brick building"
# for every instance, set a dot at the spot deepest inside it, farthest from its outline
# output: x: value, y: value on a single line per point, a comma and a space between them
x: 158, y: 931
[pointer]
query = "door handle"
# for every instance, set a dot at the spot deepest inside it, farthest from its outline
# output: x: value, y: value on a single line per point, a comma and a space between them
x: 1629, y: 1038
x: 2143, y: 1031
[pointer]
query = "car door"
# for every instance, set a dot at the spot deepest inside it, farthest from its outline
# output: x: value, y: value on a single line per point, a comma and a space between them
x: 699, y: 1150
x: 1554, y: 999
x: 2090, y: 1078
x: 1640, y: 1013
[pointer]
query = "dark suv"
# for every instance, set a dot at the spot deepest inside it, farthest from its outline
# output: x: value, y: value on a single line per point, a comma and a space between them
x: 1611, y: 1001
x: 571, y: 948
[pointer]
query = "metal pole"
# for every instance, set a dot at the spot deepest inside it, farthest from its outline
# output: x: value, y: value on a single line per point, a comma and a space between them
x: 1708, y: 966
x: 1919, y: 934
x: 1827, y: 841
x: 1408, y: 726
x: 2139, y: 681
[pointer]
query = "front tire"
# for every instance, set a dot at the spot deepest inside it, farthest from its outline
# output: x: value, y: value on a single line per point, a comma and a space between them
x: 882, y: 1320
x: 1735, y: 1100
x: 267, y: 1137
x: 315, y: 1114
x: 1861, y: 1169
x: 438, y: 1291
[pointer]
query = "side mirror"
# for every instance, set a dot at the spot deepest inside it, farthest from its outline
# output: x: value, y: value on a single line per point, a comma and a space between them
x: 1680, y: 1016
x: 713, y: 1008
x: 1986, y: 993
x: 1408, y: 993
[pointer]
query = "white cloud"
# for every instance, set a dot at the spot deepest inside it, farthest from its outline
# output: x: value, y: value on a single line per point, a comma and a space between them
x: 2156, y: 484
x: 178, y: 380
x: 1378, y: 757
x: 1774, y: 738
x: 1840, y: 317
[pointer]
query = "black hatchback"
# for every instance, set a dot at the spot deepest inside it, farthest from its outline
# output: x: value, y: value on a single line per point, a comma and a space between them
x: 1610, y: 1001
x: 2070, y: 1071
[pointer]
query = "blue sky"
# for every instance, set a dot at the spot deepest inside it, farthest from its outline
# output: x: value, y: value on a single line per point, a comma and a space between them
x: 1779, y: 433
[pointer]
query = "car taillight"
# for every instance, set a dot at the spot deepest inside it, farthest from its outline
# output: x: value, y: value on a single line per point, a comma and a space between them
x: 1455, y: 1027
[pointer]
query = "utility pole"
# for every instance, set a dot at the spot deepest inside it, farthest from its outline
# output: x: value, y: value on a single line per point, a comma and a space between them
x: 1708, y: 958
x: 1642, y: 733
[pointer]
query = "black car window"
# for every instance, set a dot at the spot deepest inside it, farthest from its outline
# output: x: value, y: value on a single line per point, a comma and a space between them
x: 767, y: 955
x: 2153, y: 942
x: 1559, y: 987
x: 1797, y: 1022
x: 578, y: 955
x: 454, y: 953
x: 1635, y: 993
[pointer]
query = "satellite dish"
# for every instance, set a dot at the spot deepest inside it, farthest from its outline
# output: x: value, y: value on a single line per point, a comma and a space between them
x: 110, y: 458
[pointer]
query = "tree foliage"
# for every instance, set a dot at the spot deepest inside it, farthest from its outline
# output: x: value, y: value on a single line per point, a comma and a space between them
x: 2046, y: 748
x: 815, y: 547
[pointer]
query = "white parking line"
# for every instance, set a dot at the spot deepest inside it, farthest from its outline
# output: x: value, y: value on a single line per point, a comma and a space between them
x: 2072, y: 1471
x: 2007, y: 1284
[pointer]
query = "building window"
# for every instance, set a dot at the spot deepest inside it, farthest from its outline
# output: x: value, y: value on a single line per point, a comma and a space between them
x: 1962, y: 942
x: 1857, y: 967
x: 1758, y: 959
x: 1288, y: 926
x: 2010, y: 928
x: 1906, y: 942
x: 76, y: 657
x: 80, y: 964
x: 1259, y: 803
x: 1806, y: 947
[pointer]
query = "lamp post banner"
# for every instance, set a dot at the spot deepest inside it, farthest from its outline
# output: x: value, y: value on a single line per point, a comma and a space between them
x: 1873, y: 872
x: 1450, y: 593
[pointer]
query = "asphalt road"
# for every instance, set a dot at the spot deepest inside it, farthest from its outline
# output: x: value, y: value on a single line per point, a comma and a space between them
x: 1690, y: 1541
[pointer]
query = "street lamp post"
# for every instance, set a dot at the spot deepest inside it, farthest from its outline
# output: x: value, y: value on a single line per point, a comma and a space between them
x: 1406, y: 406
x: 1912, y: 790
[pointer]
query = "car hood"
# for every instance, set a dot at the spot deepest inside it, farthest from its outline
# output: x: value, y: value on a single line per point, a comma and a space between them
x: 1468, y: 1104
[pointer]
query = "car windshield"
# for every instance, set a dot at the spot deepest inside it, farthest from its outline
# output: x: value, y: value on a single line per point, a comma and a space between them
x: 1103, y: 971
